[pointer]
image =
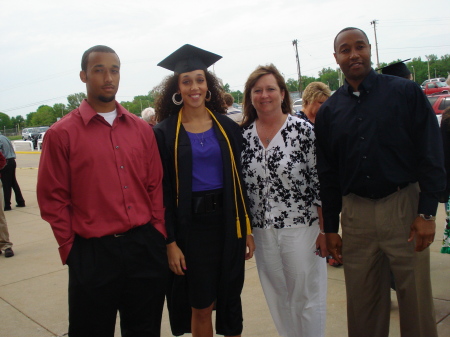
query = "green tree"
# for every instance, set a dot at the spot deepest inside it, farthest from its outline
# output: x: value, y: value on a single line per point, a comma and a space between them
x: 292, y: 85
x: 5, y: 121
x: 238, y: 96
x: 44, y: 115
x: 307, y: 80
x: 330, y: 77
x: 226, y: 88
x: 60, y: 109
x: 75, y: 100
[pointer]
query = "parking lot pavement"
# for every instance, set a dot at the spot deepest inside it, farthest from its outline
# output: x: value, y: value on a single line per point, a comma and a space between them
x: 33, y: 284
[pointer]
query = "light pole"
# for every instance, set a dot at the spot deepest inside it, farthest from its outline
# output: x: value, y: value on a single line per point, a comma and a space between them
x: 428, y: 61
x: 374, y: 23
x: 414, y: 73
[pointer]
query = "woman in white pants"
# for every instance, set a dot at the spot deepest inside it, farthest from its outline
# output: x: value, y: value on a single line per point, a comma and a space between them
x: 279, y: 168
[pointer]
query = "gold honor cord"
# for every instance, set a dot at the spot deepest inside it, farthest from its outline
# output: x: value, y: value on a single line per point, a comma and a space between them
x: 233, y: 170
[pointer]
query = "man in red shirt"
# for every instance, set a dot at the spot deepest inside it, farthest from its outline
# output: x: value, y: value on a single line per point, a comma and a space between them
x: 100, y: 188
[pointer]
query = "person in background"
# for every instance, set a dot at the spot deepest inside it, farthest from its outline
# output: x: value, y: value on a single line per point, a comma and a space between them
x: 148, y: 115
x: 279, y: 167
x: 232, y: 112
x: 381, y: 168
x: 206, y: 208
x: 445, y: 133
x: 314, y: 95
x: 100, y: 188
x: 8, y: 175
x: 5, y: 244
x: 398, y: 69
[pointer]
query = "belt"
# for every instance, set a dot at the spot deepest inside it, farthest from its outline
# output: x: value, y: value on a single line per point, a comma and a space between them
x: 127, y: 232
x: 207, y: 203
x: 386, y: 192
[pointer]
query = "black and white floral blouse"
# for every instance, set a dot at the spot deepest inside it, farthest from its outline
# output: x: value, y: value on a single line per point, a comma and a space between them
x: 281, y: 180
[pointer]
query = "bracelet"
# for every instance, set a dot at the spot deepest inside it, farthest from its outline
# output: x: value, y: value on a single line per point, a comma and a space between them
x: 322, y: 232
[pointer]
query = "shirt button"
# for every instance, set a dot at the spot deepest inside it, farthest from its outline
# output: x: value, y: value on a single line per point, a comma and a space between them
x: 362, y: 138
x: 368, y: 177
x: 121, y: 167
x: 364, y: 157
x: 125, y: 187
x: 129, y: 207
x: 360, y: 119
x: 117, y: 146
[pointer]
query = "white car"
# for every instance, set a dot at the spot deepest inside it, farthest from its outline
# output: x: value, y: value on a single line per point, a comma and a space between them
x: 298, y: 105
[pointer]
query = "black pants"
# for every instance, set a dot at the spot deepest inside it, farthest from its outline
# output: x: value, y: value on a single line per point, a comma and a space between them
x: 9, y: 182
x: 126, y: 274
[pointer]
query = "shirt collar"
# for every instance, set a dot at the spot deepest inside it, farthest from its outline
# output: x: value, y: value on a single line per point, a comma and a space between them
x: 87, y: 112
x: 366, y: 84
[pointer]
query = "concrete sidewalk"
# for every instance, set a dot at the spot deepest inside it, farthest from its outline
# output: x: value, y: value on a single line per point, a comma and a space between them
x: 33, y: 284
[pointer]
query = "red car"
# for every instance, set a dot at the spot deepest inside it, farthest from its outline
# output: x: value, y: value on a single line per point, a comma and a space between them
x: 439, y: 102
x: 436, y: 87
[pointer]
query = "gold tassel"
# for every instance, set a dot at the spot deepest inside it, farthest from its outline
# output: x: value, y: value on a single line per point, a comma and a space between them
x: 238, y: 228
x: 249, y: 226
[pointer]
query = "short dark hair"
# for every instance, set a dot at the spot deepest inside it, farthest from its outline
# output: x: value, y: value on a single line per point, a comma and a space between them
x: 346, y: 29
x: 98, y: 48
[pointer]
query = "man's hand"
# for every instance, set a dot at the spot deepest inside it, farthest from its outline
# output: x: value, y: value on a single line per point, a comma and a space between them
x: 176, y: 259
x: 334, y: 246
x: 423, y: 231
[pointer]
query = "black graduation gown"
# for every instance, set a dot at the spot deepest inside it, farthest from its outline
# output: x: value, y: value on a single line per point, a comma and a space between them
x: 178, y: 220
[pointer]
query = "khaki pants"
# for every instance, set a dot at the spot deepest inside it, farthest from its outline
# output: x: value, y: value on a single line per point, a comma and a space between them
x: 375, y: 234
x: 4, y: 235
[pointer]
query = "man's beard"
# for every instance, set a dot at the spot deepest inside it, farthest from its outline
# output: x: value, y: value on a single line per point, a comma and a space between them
x: 107, y: 99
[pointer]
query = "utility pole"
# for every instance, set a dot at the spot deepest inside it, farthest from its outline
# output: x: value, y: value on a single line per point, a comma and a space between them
x: 294, y: 43
x: 374, y: 23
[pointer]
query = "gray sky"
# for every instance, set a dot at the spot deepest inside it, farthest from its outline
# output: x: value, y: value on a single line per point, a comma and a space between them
x: 41, y: 42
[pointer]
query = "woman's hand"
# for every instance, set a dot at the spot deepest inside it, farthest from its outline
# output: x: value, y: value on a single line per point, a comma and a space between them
x: 321, y: 241
x: 250, y: 243
x: 176, y: 259
x: 321, y: 244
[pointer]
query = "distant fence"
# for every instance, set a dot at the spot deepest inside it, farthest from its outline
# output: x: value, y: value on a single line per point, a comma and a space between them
x: 11, y: 132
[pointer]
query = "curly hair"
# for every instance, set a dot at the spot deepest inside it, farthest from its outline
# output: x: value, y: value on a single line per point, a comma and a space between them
x: 165, y: 107
x: 315, y: 91
x: 249, y: 112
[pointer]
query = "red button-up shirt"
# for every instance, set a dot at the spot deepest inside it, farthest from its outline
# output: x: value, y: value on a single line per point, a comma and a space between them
x: 95, y: 179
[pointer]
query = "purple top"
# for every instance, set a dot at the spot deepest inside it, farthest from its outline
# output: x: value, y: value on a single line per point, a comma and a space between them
x: 207, y: 166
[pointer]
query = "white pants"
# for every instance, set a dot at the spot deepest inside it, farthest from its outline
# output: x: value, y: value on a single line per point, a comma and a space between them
x: 293, y: 278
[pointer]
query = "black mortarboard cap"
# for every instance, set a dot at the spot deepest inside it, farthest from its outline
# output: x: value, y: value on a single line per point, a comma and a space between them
x: 396, y: 69
x: 188, y: 58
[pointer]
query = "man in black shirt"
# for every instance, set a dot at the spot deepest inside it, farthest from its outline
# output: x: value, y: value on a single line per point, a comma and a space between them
x: 380, y: 162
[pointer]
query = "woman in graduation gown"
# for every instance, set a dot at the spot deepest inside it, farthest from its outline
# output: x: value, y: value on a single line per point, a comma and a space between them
x: 209, y: 233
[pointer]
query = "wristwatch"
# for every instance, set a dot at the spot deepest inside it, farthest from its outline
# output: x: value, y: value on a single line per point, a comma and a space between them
x: 427, y: 217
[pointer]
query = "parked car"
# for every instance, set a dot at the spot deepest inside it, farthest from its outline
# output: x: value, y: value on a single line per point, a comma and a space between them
x: 33, y: 134
x: 438, y: 79
x: 436, y: 87
x: 26, y: 133
x: 41, y: 139
x: 439, y: 102
x: 298, y: 105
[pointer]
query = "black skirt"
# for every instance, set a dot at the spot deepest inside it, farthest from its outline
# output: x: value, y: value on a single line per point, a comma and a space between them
x: 204, y: 249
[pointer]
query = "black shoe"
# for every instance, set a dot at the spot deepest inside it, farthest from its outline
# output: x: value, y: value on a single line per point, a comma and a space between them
x: 9, y: 252
x: 7, y: 208
x: 20, y: 205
